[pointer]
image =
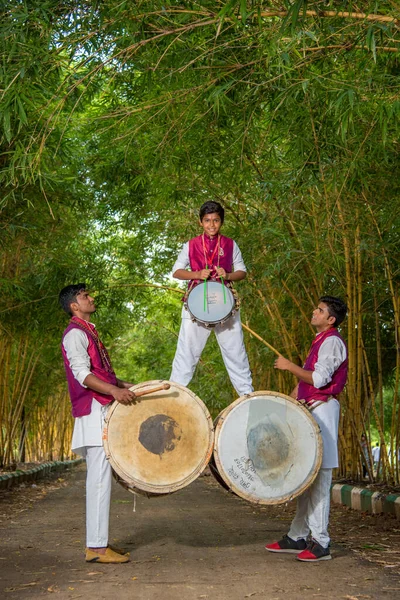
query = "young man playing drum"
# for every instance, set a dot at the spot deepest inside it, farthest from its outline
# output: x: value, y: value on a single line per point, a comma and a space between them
x: 92, y: 386
x: 211, y: 257
x: 320, y: 382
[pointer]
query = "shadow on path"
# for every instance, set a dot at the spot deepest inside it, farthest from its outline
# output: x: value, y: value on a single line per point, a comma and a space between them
x: 200, y: 542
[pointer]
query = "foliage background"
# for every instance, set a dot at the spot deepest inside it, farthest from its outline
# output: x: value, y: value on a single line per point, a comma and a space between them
x: 118, y: 119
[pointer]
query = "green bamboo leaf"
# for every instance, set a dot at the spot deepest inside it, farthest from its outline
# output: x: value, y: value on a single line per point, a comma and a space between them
x: 371, y: 42
x: 243, y: 10
x: 229, y: 8
x: 21, y: 111
x: 7, y: 124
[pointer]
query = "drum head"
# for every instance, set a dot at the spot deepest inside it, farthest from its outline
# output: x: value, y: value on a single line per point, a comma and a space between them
x: 162, y: 443
x: 268, y: 447
x: 210, y: 305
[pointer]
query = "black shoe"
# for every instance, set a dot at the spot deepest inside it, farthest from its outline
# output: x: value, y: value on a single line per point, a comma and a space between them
x: 287, y: 545
x: 314, y: 552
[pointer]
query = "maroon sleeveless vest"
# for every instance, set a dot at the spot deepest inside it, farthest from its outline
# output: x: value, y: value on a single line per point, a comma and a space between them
x: 308, y: 392
x: 210, y: 255
x: 81, y: 397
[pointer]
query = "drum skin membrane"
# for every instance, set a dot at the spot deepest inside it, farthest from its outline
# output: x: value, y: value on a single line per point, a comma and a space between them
x: 268, y: 448
x: 162, y: 443
x: 208, y: 304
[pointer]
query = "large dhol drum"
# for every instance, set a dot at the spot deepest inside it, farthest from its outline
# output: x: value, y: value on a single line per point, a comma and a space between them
x: 211, y: 303
x: 160, y: 444
x: 267, y: 448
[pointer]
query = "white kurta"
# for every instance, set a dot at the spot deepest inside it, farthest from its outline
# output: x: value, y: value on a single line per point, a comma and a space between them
x: 87, y: 429
x: 331, y: 355
x: 87, y: 442
x: 193, y: 337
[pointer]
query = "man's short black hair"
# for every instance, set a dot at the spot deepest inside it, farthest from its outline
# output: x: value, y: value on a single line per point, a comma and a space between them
x: 211, y: 207
x: 69, y: 294
x: 336, y: 308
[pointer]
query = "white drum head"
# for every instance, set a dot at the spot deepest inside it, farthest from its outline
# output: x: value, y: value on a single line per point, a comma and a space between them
x: 208, y: 303
x: 268, y: 447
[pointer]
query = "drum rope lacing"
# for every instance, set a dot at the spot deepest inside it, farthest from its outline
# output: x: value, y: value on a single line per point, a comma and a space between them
x: 216, y: 250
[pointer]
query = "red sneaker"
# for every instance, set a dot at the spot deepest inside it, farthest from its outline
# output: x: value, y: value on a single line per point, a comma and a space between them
x: 287, y: 545
x: 314, y: 553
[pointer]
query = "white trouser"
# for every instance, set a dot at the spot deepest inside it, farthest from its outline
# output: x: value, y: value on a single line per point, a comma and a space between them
x: 312, y: 514
x: 327, y: 416
x: 98, y: 495
x: 192, y: 339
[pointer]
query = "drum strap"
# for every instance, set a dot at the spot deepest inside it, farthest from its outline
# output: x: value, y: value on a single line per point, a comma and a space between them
x: 311, y: 407
x: 206, y: 254
x: 90, y: 330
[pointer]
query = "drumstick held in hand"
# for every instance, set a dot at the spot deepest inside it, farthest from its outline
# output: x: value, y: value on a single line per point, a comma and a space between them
x: 138, y: 393
x: 261, y: 340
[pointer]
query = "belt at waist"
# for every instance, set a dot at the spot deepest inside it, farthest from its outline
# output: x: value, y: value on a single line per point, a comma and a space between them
x: 311, y: 404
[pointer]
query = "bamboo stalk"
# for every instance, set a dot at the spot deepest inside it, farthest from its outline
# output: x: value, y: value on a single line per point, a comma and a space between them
x: 383, y: 453
x: 305, y: 316
x: 307, y: 267
x: 358, y: 300
x: 378, y: 348
x: 348, y: 47
x: 351, y: 380
x: 336, y: 14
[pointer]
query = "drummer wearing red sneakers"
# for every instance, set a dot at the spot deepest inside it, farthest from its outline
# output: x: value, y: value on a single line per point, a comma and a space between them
x: 211, y: 256
x: 321, y: 380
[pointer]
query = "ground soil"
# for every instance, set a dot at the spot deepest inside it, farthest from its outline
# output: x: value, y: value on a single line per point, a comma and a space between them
x: 201, y: 542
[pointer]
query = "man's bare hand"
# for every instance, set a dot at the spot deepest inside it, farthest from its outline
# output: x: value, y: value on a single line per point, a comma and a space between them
x: 283, y: 364
x: 123, y: 396
x: 221, y: 273
x: 204, y: 273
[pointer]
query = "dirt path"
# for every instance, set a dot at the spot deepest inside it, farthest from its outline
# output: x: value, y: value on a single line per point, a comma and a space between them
x: 198, y: 543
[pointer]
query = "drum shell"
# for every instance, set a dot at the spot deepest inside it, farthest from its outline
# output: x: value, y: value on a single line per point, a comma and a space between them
x: 235, y: 469
x: 162, y: 443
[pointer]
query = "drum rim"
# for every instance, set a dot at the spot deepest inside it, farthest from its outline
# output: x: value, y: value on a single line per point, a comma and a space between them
x: 218, y: 321
x: 148, y: 487
x: 218, y: 425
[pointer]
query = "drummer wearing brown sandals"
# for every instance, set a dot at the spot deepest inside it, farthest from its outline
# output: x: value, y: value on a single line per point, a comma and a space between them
x: 211, y: 257
x: 321, y: 380
x: 92, y: 386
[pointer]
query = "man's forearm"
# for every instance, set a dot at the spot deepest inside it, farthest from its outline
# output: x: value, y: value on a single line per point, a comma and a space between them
x: 301, y: 374
x: 236, y: 276
x: 124, y: 384
x: 119, y: 392
x: 185, y: 275
x: 283, y: 364
x: 98, y: 385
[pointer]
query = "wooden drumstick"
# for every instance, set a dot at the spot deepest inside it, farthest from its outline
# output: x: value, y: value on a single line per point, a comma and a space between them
x: 261, y: 340
x: 138, y: 393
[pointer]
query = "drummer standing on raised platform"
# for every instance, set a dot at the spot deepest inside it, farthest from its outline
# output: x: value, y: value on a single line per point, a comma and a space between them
x: 92, y: 385
x: 320, y: 382
x: 211, y: 256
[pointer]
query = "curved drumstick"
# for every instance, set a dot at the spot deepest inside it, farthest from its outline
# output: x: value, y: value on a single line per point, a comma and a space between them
x: 164, y: 386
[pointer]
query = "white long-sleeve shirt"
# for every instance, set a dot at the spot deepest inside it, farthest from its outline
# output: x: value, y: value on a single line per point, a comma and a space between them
x: 76, y: 343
